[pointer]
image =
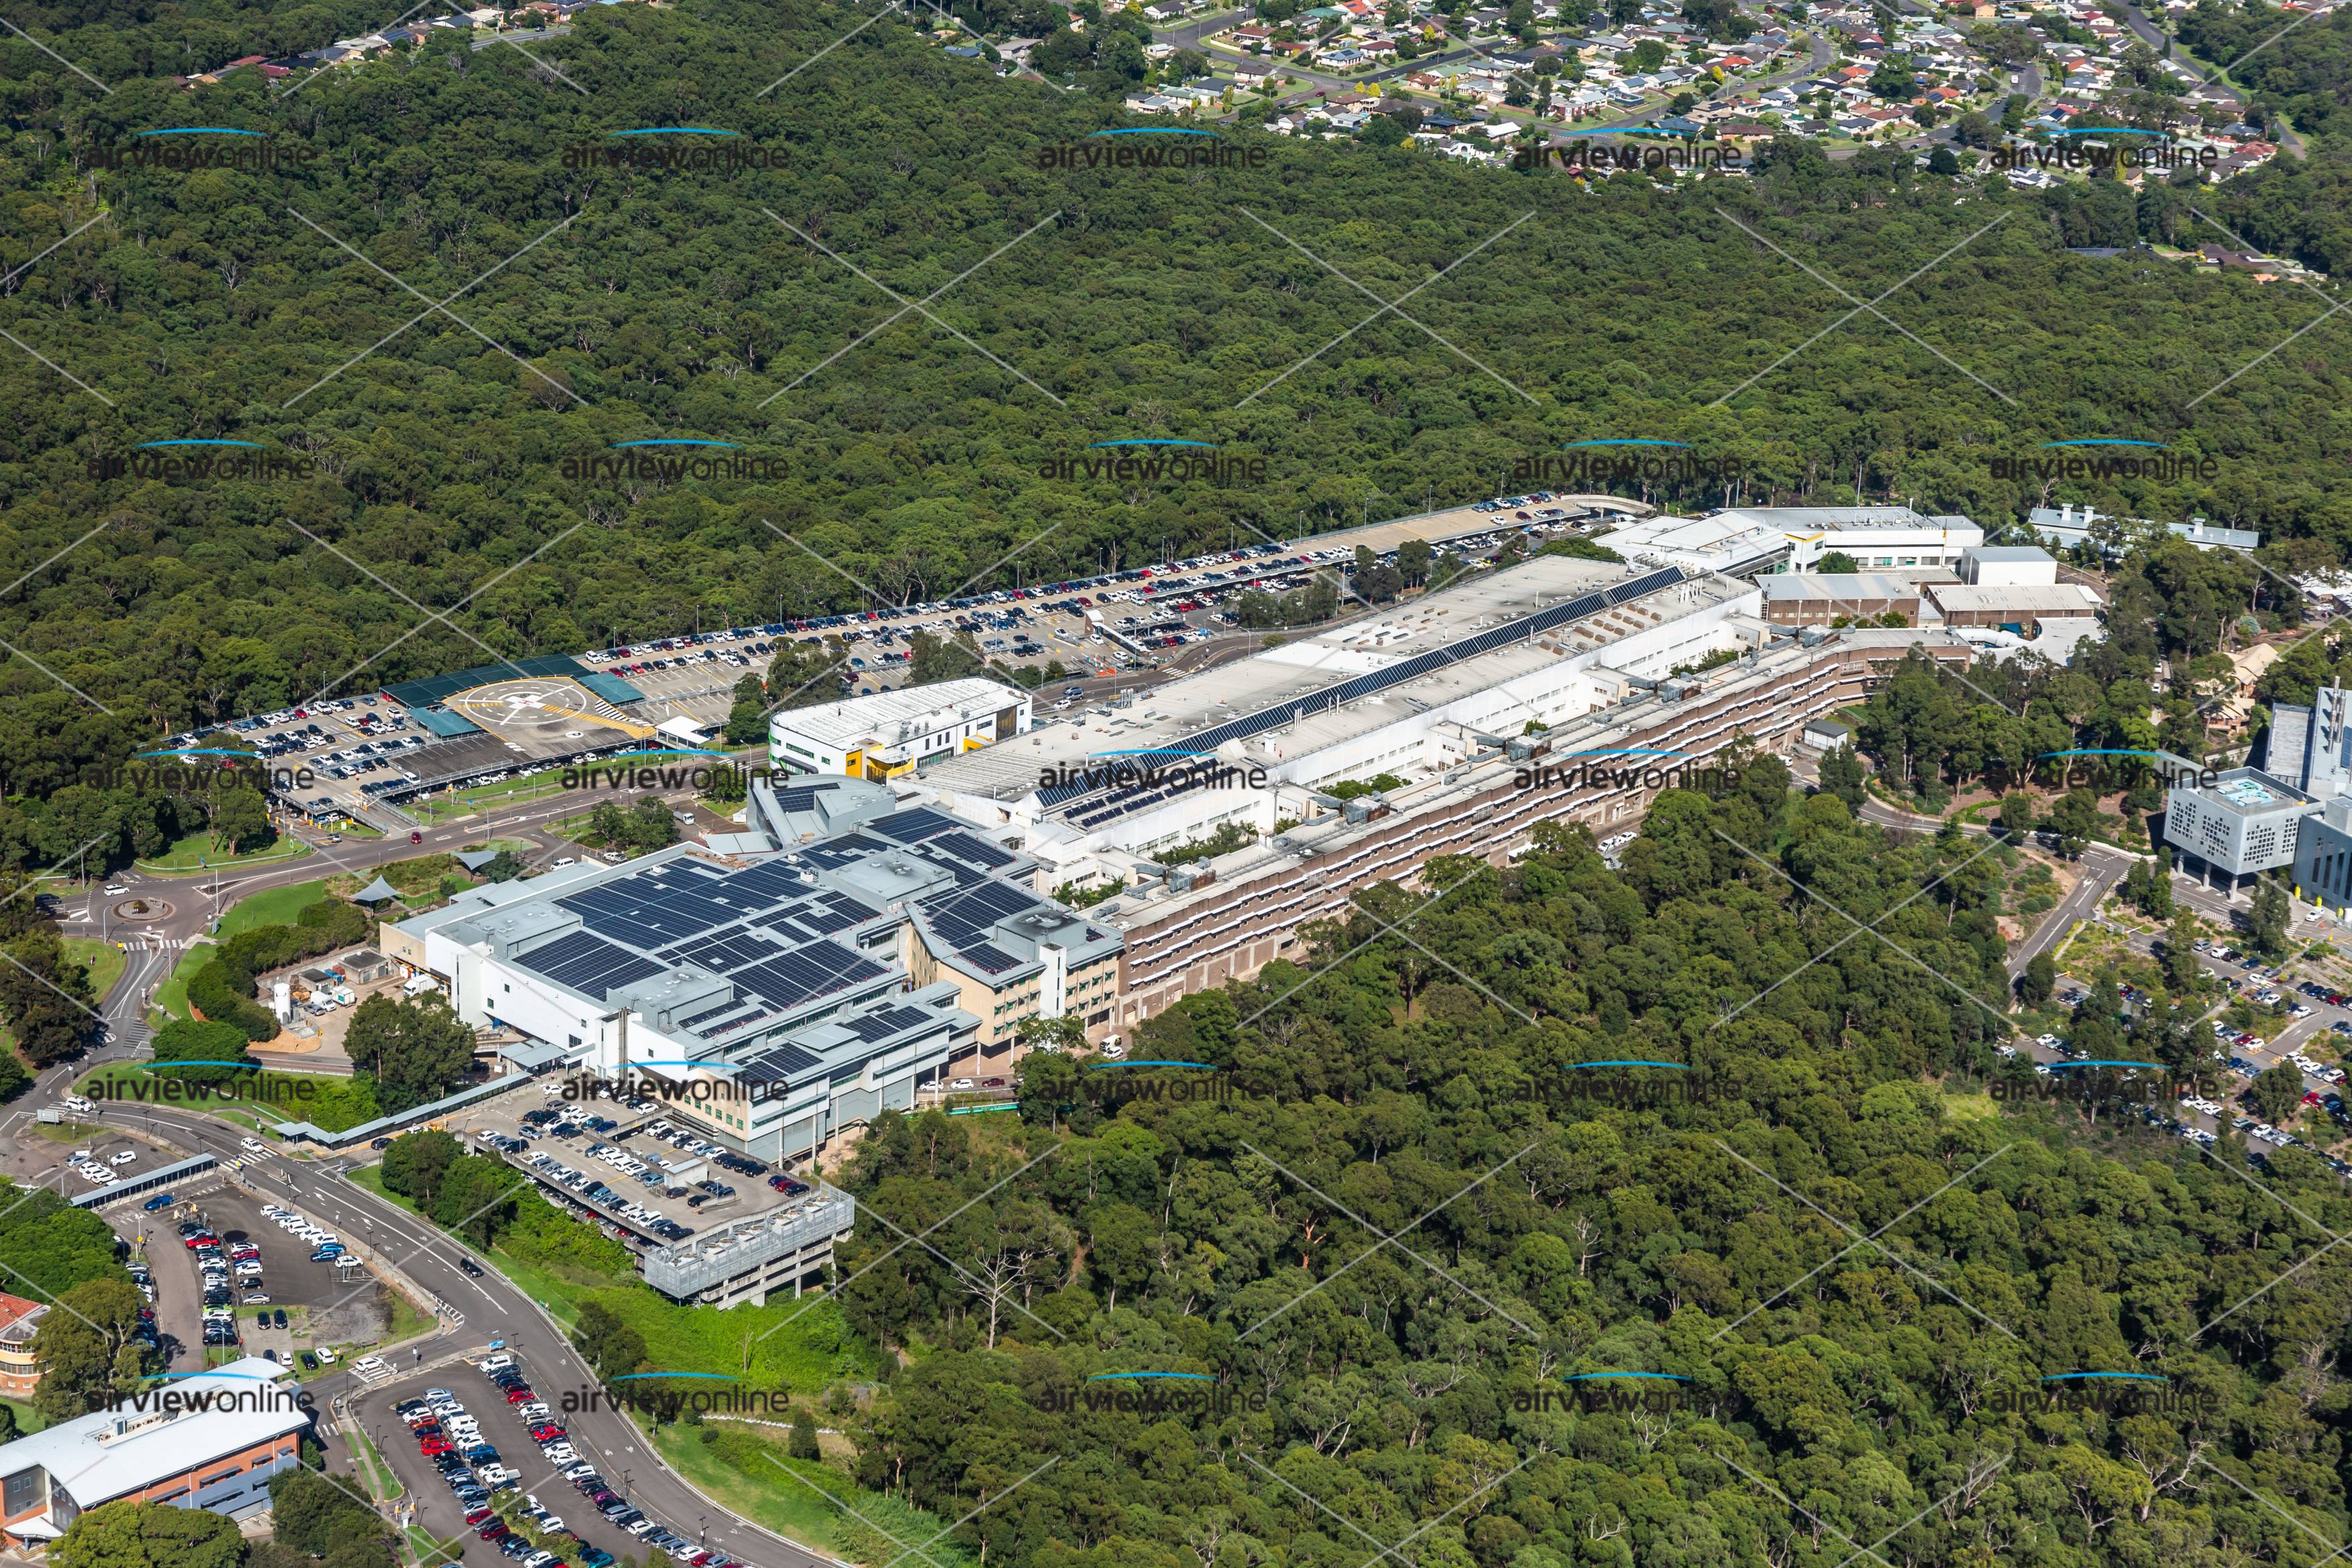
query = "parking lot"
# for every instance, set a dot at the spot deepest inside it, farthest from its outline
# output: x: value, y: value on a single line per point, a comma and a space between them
x: 2315, y: 1012
x: 659, y: 1183
x: 483, y: 1440
x: 261, y: 1272
x: 1096, y: 628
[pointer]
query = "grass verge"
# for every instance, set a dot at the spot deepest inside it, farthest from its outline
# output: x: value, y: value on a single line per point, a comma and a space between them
x: 171, y: 996
x: 374, y: 1474
x: 104, y: 961
x: 808, y: 1357
x: 192, y: 853
x: 328, y: 1100
x: 745, y: 1467
x: 275, y: 906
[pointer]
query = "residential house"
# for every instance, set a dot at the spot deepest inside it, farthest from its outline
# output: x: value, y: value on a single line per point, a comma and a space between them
x: 2261, y: 269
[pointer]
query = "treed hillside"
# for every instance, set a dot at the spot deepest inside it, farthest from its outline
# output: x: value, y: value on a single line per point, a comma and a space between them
x: 671, y: 304
x: 1837, y: 1397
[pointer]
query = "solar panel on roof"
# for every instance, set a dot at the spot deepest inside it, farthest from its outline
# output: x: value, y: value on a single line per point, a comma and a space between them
x: 783, y: 1061
x: 707, y: 1014
x: 588, y: 963
x: 969, y: 848
x: 794, y: 977
x: 989, y: 957
x: 911, y: 826
x: 886, y: 1021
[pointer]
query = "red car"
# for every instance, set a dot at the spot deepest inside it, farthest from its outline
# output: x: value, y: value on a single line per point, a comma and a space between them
x: 200, y: 1240
x: 520, y: 1396
x: 476, y: 1516
x: 493, y: 1531
x: 546, y: 1432
x: 431, y: 1446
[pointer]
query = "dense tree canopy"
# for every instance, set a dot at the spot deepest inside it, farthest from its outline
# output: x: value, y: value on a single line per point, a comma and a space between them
x: 1556, y: 1223
x: 644, y: 304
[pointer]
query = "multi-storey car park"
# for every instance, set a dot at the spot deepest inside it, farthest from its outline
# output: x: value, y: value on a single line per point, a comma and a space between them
x: 847, y: 954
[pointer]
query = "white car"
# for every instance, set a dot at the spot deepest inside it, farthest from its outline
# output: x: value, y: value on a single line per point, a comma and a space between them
x: 253, y: 1145
x: 326, y: 1355
x: 124, y: 1158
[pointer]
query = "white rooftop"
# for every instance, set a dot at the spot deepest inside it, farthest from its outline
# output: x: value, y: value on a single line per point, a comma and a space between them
x: 162, y: 1432
x: 887, y: 717
x: 1165, y: 716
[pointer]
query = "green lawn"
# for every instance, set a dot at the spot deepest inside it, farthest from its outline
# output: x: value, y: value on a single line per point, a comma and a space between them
x: 28, y: 1420
x: 104, y: 961
x: 276, y: 906
x: 333, y: 1101
x: 784, y: 1506
x: 808, y: 1357
x: 171, y: 996
x: 374, y: 1474
x: 194, y: 852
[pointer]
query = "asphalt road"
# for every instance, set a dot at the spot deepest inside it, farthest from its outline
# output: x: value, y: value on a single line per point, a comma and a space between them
x: 493, y: 1308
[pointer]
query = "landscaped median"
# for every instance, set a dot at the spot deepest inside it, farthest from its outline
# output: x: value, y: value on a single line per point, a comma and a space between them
x: 195, y: 856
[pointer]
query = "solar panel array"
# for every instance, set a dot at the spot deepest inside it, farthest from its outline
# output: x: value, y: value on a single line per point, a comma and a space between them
x: 726, y: 951
x: 588, y: 964
x: 804, y: 974
x: 971, y: 850
x: 660, y: 905
x: 911, y: 827
x: 775, y: 932
x: 770, y: 880
x: 884, y: 1022
x: 966, y: 917
x: 777, y: 1065
x: 988, y: 957
x: 1138, y: 796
